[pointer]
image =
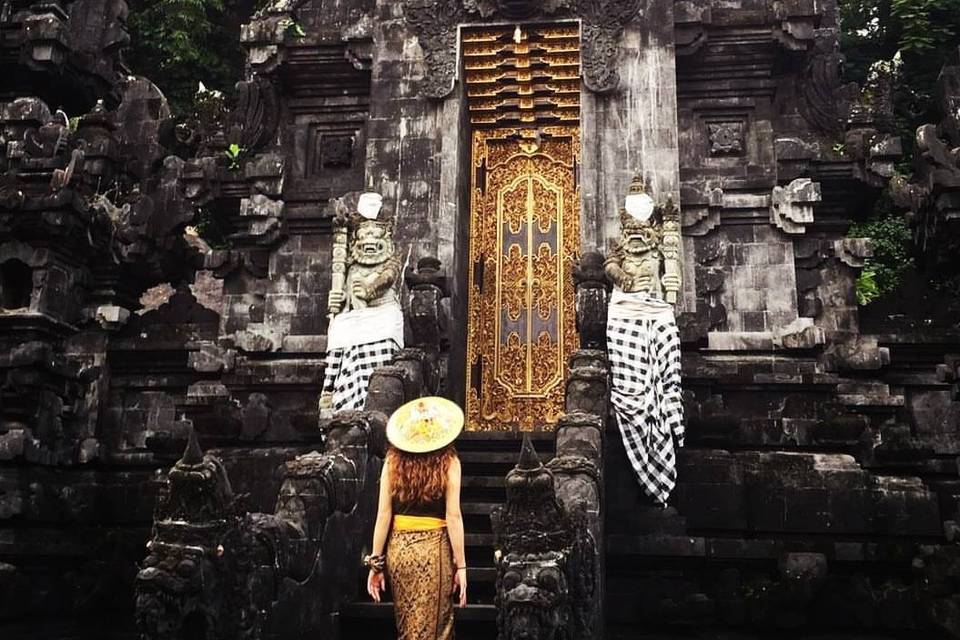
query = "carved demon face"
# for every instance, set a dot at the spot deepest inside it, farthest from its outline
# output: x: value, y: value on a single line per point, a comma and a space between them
x: 372, y: 244
x: 304, y: 501
x: 175, y: 590
x: 179, y: 590
x: 532, y: 596
x: 640, y: 241
x: 197, y: 492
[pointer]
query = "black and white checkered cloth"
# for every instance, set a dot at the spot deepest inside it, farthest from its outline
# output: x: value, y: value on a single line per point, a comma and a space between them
x: 348, y: 372
x: 645, y: 363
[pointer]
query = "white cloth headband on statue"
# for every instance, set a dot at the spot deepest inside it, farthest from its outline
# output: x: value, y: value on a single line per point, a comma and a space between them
x: 639, y: 206
x: 369, y: 205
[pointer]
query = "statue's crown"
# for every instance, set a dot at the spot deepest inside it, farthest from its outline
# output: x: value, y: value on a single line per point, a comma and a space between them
x: 384, y: 222
x: 347, y: 212
x: 637, y: 185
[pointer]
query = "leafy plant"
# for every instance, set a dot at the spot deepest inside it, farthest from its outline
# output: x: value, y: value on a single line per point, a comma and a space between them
x: 867, y: 288
x: 292, y: 29
x: 925, y: 24
x: 925, y: 33
x: 209, y: 227
x: 234, y: 153
x: 177, y: 42
x: 892, y: 252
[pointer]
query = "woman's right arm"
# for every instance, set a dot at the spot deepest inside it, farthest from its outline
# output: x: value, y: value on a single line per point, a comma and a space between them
x: 455, y: 529
x: 375, y: 581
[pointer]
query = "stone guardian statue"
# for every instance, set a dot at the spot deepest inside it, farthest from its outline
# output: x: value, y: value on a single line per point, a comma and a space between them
x: 643, y: 341
x: 366, y: 325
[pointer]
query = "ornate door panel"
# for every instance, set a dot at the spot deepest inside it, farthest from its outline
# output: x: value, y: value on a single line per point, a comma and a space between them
x: 524, y: 236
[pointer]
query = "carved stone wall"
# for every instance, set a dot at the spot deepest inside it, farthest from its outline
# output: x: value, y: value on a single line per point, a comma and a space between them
x: 817, y: 433
x: 822, y: 439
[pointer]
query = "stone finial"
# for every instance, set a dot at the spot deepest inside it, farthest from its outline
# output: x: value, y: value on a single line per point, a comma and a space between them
x: 193, y: 454
x: 528, y: 455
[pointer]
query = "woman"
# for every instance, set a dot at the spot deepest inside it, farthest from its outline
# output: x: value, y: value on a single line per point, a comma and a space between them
x: 419, y: 521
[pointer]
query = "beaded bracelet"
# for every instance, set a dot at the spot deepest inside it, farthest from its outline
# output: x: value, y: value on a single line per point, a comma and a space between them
x: 375, y: 563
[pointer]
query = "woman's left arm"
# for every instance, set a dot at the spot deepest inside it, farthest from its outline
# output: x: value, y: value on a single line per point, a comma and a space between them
x: 455, y: 529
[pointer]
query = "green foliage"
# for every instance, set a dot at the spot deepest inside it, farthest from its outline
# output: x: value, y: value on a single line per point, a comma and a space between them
x: 924, y: 32
x: 293, y: 29
x: 892, y: 254
x: 234, y: 152
x: 925, y: 25
x: 867, y: 288
x: 178, y: 43
x: 211, y: 228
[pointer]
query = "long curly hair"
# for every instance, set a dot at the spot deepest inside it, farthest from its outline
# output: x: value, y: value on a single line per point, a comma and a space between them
x: 419, y: 477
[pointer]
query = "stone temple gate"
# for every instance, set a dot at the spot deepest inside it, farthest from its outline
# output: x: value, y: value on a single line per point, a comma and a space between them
x: 164, y: 473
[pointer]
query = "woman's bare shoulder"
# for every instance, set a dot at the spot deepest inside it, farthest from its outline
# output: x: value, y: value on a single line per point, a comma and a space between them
x: 454, y: 467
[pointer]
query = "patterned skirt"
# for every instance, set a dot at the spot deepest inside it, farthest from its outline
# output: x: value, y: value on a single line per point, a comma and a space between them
x: 644, y: 355
x: 420, y: 566
x: 348, y: 372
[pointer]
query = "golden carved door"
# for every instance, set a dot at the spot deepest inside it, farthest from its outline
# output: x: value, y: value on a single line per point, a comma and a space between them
x: 524, y: 237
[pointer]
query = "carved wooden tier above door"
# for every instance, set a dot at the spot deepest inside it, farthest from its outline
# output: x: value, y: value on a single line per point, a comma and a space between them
x: 523, y: 93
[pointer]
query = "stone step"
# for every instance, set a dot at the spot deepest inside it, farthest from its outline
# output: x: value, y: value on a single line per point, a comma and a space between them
x: 478, y: 507
x: 482, y: 482
x: 374, y: 610
x: 375, y: 620
x: 487, y: 458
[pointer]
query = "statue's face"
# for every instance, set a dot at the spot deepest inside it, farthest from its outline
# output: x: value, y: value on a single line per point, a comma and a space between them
x: 641, y: 241
x: 175, y: 591
x: 532, y: 590
x: 372, y: 244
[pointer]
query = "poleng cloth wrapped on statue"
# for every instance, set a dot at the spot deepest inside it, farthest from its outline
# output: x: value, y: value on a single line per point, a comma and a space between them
x: 643, y: 343
x: 358, y: 342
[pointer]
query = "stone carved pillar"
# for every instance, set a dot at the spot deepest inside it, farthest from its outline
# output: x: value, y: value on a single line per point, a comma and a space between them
x: 546, y: 556
x: 592, y: 296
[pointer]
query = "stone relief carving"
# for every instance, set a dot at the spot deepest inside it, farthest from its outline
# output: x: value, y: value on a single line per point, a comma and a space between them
x: 253, y: 123
x: 726, y: 137
x: 435, y: 23
x: 336, y: 151
x: 602, y: 26
x: 821, y: 84
x: 791, y: 207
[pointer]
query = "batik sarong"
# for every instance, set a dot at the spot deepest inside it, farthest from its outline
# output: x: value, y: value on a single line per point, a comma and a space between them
x: 360, y: 341
x: 420, y: 575
x: 643, y: 345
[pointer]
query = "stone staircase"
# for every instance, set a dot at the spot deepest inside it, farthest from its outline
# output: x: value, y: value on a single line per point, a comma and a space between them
x: 486, y: 459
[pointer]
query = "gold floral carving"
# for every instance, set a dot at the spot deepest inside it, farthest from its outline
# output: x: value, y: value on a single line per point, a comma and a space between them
x: 524, y: 239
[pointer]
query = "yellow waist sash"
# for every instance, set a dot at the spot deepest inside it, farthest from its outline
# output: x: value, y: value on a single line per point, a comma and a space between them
x: 417, y: 523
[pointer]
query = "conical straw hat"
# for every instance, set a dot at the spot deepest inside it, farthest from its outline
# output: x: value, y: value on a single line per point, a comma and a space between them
x: 425, y: 424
